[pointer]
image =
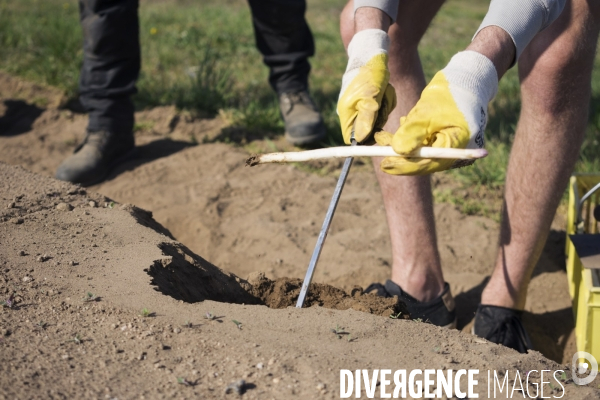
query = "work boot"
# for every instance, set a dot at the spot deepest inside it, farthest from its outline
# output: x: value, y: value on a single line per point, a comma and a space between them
x: 303, y: 122
x: 95, y: 157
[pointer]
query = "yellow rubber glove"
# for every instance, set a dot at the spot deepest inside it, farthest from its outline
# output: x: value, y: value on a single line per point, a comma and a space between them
x: 451, y: 113
x: 366, y: 98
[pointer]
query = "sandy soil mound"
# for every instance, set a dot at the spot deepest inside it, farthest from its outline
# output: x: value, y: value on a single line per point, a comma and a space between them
x: 58, y: 242
x: 89, y: 318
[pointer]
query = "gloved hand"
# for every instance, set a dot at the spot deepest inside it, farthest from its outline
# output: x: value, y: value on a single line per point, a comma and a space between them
x: 452, y: 112
x: 365, y: 87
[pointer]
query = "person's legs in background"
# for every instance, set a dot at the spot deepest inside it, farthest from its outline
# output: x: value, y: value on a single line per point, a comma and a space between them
x: 111, y: 64
x: 285, y: 41
x: 555, y: 72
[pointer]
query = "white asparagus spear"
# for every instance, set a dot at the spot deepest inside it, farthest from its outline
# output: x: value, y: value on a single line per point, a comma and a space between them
x: 363, y: 151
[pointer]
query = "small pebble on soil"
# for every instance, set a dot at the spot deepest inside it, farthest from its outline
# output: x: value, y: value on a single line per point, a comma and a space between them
x: 64, y: 207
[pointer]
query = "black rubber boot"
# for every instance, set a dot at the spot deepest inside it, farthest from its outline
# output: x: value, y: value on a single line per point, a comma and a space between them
x: 503, y: 326
x: 439, y: 311
x: 303, y: 122
x: 95, y: 157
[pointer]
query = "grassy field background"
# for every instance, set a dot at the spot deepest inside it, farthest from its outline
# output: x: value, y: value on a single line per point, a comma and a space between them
x: 201, y: 56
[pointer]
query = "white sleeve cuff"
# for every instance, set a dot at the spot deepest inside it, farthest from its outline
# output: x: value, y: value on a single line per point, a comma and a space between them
x: 522, y: 19
x: 473, y: 72
x: 390, y: 7
x: 364, y: 45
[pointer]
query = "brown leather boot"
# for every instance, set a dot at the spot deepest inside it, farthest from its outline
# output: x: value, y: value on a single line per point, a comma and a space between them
x: 303, y: 122
x: 95, y: 157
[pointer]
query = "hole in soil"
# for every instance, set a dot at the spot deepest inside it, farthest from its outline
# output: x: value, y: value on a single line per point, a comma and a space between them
x: 185, y: 276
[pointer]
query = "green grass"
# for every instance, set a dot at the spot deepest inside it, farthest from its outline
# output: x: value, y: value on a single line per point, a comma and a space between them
x: 490, y: 171
x: 201, y: 57
x: 41, y: 41
x: 466, y: 206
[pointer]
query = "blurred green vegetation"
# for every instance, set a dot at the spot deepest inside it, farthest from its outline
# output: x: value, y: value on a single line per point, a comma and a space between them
x: 201, y: 56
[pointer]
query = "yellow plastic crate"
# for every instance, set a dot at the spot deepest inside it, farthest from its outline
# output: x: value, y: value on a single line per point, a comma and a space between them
x: 584, y: 283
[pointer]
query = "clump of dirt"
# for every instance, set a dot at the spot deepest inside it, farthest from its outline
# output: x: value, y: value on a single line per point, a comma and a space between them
x: 284, y: 292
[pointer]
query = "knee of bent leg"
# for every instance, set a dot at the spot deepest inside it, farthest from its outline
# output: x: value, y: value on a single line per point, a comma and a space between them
x: 560, y: 62
x: 548, y: 78
x: 542, y: 62
x: 568, y: 44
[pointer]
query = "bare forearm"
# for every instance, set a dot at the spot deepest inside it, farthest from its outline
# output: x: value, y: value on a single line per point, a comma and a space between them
x: 497, y: 45
x: 371, y: 18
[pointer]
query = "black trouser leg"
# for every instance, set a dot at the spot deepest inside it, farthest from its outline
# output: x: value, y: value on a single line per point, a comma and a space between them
x: 285, y: 41
x: 111, y: 63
